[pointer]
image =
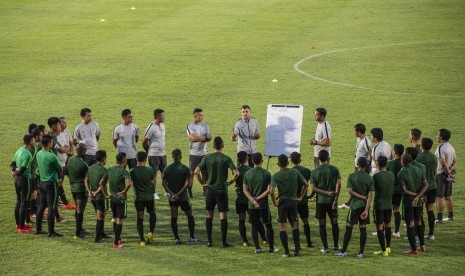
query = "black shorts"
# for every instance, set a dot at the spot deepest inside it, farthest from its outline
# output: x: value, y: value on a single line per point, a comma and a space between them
x: 287, y: 210
x: 185, y: 205
x: 322, y: 209
x: 194, y: 161
x: 353, y: 217
x: 90, y: 159
x: 100, y: 204
x: 444, y: 187
x: 303, y: 211
x: 396, y: 199
x: 118, y: 208
x: 213, y: 198
x: 132, y: 163
x: 260, y: 216
x: 157, y: 163
x: 411, y: 213
x: 79, y: 196
x: 382, y: 216
x: 242, y: 207
x: 431, y: 196
x: 148, y: 205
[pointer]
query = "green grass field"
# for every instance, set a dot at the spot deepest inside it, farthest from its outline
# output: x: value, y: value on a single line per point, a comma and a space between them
x: 389, y: 64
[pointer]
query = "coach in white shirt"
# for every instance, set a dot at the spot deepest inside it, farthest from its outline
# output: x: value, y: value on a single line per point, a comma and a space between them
x: 363, y: 146
x: 381, y: 148
x: 125, y: 137
x: 322, y: 138
x: 88, y: 133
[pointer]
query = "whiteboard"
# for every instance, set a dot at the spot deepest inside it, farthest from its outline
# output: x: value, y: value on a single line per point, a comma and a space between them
x: 283, y: 129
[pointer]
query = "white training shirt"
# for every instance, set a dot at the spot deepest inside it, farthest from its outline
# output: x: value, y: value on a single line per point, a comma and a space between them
x: 382, y: 148
x: 198, y: 148
x: 126, y: 139
x: 323, y: 131
x: 63, y: 139
x: 362, y: 148
x: 87, y: 134
x: 246, y: 131
x: 156, y: 135
x: 447, y: 152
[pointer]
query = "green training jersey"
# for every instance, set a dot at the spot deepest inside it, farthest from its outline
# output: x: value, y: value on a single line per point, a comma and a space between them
x: 431, y: 163
x: 95, y: 173
x: 286, y: 181
x: 23, y: 159
x: 48, y: 166
x: 411, y: 177
x: 306, y: 173
x: 394, y: 166
x: 34, y: 167
x: 116, y: 177
x: 361, y: 183
x: 258, y: 180
x: 216, y: 165
x: 142, y: 177
x: 384, y: 189
x: 240, y: 197
x: 325, y: 178
x: 176, y: 175
x: 77, y: 171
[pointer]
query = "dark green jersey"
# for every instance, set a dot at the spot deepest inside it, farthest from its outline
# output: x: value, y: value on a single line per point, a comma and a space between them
x: 240, y: 197
x: 306, y: 173
x: 176, y: 175
x: 418, y: 148
x: 77, y: 171
x: 142, y: 177
x: 431, y: 163
x: 95, y: 173
x: 258, y: 180
x: 287, y: 181
x: 325, y: 178
x: 23, y: 159
x: 116, y: 177
x: 48, y: 166
x: 384, y: 188
x: 411, y: 177
x: 217, y: 165
x: 394, y: 166
x: 34, y: 167
x: 55, y: 145
x: 361, y: 183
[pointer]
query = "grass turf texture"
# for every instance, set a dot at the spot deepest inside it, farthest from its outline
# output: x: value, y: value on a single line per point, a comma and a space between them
x: 58, y: 57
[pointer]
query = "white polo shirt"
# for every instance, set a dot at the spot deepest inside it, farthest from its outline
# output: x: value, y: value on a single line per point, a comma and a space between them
x: 323, y: 131
x: 126, y: 139
x: 87, y: 134
x: 63, y: 139
x: 380, y: 149
x: 156, y: 135
x: 362, y: 148
x: 447, y: 152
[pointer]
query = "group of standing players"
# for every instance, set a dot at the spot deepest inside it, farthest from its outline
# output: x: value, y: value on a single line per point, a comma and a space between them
x: 403, y: 183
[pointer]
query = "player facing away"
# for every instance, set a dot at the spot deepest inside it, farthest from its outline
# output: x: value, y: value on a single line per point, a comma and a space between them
x: 360, y: 188
x: 394, y: 166
x: 287, y: 181
x: 216, y: 166
x: 256, y: 187
x: 176, y: 181
x: 326, y: 183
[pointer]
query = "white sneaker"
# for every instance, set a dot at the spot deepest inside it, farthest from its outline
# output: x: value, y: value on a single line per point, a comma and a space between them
x: 155, y: 196
x: 374, y: 233
x: 343, y: 206
x: 430, y: 237
x: 448, y: 219
x: 396, y: 234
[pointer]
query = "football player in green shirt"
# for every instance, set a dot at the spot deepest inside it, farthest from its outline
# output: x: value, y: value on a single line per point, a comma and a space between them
x: 360, y: 188
x: 394, y: 166
x: 143, y: 179
x: 241, y: 200
x: 216, y: 166
x: 287, y: 181
x: 176, y: 182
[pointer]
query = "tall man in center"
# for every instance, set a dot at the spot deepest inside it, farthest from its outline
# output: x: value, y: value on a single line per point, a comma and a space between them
x: 322, y: 138
x: 247, y: 130
x: 216, y: 166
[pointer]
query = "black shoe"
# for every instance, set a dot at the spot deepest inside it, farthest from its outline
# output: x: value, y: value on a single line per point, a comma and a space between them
x: 40, y: 232
x: 209, y: 244
x: 297, y: 253
x: 84, y: 232
x: 310, y: 245
x: 104, y: 236
x: 54, y: 235
x: 225, y: 244
x: 98, y: 240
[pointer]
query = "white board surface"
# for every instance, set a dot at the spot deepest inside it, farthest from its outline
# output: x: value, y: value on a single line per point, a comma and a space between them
x: 283, y: 129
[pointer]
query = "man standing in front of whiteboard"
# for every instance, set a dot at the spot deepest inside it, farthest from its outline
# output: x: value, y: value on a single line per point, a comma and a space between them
x: 322, y: 140
x: 247, y: 130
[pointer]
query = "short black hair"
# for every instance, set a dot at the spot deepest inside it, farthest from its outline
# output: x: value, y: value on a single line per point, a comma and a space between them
x: 31, y: 127
x: 245, y: 106
x: 120, y: 157
x: 257, y: 158
x: 218, y: 143
x: 84, y: 111
x: 323, y: 155
x: 377, y: 133
x: 125, y: 112
x: 362, y: 162
x: 413, y: 152
x: 283, y: 161
x: 295, y: 157
x: 382, y: 161
x: 53, y: 121
x: 41, y: 128
x: 416, y: 133
x: 426, y: 143
x: 321, y: 111
x: 197, y: 110
x: 141, y: 156
x: 399, y: 149
x: 406, y: 159
x: 46, y: 140
x: 36, y: 132
x: 176, y: 153
x: 444, y: 134
x: 100, y: 155
x: 27, y: 139
x: 241, y: 157
x: 157, y: 112
x: 360, y: 128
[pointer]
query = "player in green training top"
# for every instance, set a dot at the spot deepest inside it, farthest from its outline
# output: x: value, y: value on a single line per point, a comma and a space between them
x: 96, y: 192
x: 302, y: 206
x: 287, y: 181
x: 119, y: 181
x: 394, y: 166
x: 326, y: 182
x: 21, y: 168
x: 216, y: 166
x: 49, y: 171
x: 384, y: 188
x: 414, y: 185
x: 360, y: 187
x: 176, y: 182
x: 431, y: 163
x: 144, y: 190
x: 77, y: 171
x: 256, y: 187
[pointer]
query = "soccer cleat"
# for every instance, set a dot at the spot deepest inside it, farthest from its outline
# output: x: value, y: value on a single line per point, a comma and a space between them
x: 382, y: 253
x: 374, y: 233
x: 337, y: 247
x: 225, y: 244
x: 54, y: 235
x: 448, y: 219
x: 396, y: 234
x: 40, y: 232
x: 273, y: 250
x: 209, y: 244
x: 258, y: 250
x: 149, y: 237
x: 411, y: 252
x: 193, y: 239
x: 325, y: 251
x: 60, y: 219
x: 297, y: 253
x: 245, y: 244
x: 438, y: 221
x: 25, y: 230
x: 310, y: 245
x: 388, y: 250
x: 423, y: 249
x: 285, y: 255
x: 17, y: 226
x: 341, y: 254
x: 80, y: 236
x: 343, y: 206
x: 32, y: 215
x: 177, y: 241
x: 142, y: 243
x: 360, y: 256
x: 117, y: 246
x: 69, y: 206
x: 430, y: 237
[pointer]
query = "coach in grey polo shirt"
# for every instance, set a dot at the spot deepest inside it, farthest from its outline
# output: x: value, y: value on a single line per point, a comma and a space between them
x: 247, y: 131
x: 125, y: 137
x: 154, y: 142
x: 88, y: 133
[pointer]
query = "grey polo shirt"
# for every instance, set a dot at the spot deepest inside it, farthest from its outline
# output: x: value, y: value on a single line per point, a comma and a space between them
x: 447, y: 152
x: 87, y: 134
x: 362, y: 148
x: 245, y: 132
x: 126, y: 139
x: 198, y: 148
x: 156, y: 135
